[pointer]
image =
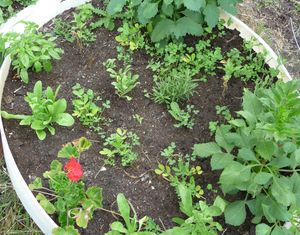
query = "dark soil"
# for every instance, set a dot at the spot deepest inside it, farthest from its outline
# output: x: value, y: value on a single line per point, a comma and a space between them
x: 150, y: 195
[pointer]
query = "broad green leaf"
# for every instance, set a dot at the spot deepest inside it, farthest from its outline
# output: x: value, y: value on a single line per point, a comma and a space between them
x: 211, y: 13
x: 162, y: 30
x: 235, y: 213
x: 194, y: 5
x: 60, y: 106
x: 221, y: 137
x: 95, y: 194
x: 186, y: 205
x: 251, y: 103
x: 281, y: 231
x: 266, y: 149
x: 36, y: 184
x: 5, y: 3
x: 168, y: 10
x: 64, y: 119
x: 68, y: 230
x: 247, y: 155
x: 118, y: 226
x: 124, y: 209
x: 24, y: 75
x: 56, y: 165
x: 262, y: 178
x: 282, y: 191
x: 46, y: 204
x: 221, y: 203
x: 146, y: 11
x: 262, y: 229
x: 186, y: 25
x: 220, y: 160
x: 115, y: 6
x: 206, y: 150
x: 82, y: 218
x: 24, y: 58
x: 40, y: 134
x: 289, y: 147
x: 228, y: 5
x: 68, y: 151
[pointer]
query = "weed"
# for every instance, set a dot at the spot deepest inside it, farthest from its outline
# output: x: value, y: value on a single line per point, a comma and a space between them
x: 138, y: 118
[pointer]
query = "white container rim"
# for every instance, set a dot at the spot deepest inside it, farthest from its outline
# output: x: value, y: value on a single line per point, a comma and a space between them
x: 41, y: 13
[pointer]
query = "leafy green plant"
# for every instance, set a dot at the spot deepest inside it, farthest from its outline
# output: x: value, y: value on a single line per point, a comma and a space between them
x: 125, y: 81
x: 212, y: 126
x: 120, y: 144
x: 200, y: 216
x: 32, y: 49
x: 85, y: 108
x: 2, y: 49
x: 67, y: 194
x: 130, y: 36
x: 174, y: 19
x: 138, y: 118
x: 184, y: 118
x: 224, y: 111
x: 132, y: 224
x: 46, y: 110
x: 258, y: 154
x: 178, y: 170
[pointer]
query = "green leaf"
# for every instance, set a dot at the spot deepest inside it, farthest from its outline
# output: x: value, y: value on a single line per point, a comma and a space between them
x: 115, y: 6
x: 56, y: 165
x: 262, y: 229
x: 228, y: 5
x: 282, y: 191
x: 262, y: 178
x: 95, y: 194
x: 24, y: 58
x: 221, y: 203
x: 40, y: 134
x: 206, y: 150
x: 118, y: 226
x: 162, y: 30
x: 281, y: 231
x: 36, y: 184
x: 124, y: 209
x: 68, y: 230
x: 82, y: 218
x: 247, y: 155
x: 251, y: 103
x: 65, y: 119
x: 220, y: 160
x: 235, y: 213
x: 194, y: 5
x: 211, y: 13
x: 146, y: 11
x: 24, y: 75
x: 60, y: 106
x: 266, y: 149
x: 46, y: 204
x: 186, y: 25
x: 186, y: 205
x: 68, y: 151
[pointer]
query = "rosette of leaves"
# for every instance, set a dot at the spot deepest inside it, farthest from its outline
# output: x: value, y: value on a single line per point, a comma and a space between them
x: 32, y: 49
x: 259, y: 154
x: 174, y: 18
x: 46, y: 110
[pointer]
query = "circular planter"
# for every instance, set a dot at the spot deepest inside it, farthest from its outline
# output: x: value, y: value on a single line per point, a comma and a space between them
x: 43, y: 12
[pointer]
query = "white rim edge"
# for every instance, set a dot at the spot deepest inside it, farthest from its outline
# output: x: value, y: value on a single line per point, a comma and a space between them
x: 42, y: 12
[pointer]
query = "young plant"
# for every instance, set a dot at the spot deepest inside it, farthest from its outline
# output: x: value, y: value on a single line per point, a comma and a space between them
x: 138, y: 118
x: 224, y: 111
x: 46, y: 110
x: 173, y: 19
x: 67, y: 194
x: 178, y: 170
x: 258, y: 154
x: 86, y: 110
x: 32, y: 49
x: 120, y: 144
x: 184, y: 118
x: 132, y: 224
x: 200, y: 216
x: 125, y: 81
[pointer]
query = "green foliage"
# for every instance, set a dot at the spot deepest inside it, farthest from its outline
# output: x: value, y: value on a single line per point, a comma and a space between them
x: 200, y: 216
x: 125, y: 81
x: 132, y: 224
x: 184, y: 118
x: 46, y: 110
x: 224, y: 111
x: 2, y: 49
x: 175, y: 66
x: 130, y: 36
x: 68, y: 230
x: 71, y: 201
x: 138, y: 118
x: 80, y: 28
x: 32, y: 49
x: 258, y: 154
x: 85, y: 108
x: 75, y: 148
x: 178, y: 170
x: 120, y: 144
x: 173, y: 18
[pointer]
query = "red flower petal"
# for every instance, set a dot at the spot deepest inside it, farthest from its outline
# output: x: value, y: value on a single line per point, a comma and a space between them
x: 74, y: 170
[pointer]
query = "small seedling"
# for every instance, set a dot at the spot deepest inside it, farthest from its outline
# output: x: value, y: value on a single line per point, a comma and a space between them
x: 185, y: 118
x: 223, y: 111
x: 138, y: 118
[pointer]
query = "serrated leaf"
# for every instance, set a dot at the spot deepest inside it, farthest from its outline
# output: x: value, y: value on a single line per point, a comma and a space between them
x: 262, y: 229
x: 186, y: 25
x: 115, y: 6
x: 262, y: 178
x: 206, y: 150
x: 194, y: 5
x: 235, y: 213
x: 228, y: 5
x: 162, y: 30
x: 146, y: 11
x: 212, y: 14
x: 220, y: 160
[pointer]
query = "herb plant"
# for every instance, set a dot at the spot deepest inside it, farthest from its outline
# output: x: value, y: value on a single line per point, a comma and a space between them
x: 258, y: 154
x: 85, y: 108
x: 46, y: 110
x: 120, y: 144
x: 125, y: 81
x: 132, y: 224
x: 67, y: 194
x: 184, y: 118
x: 174, y: 19
x: 32, y: 49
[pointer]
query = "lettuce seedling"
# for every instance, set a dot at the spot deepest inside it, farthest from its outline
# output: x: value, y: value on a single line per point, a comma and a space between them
x: 46, y: 110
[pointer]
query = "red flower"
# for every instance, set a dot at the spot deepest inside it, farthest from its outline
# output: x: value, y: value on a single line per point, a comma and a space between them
x: 74, y: 170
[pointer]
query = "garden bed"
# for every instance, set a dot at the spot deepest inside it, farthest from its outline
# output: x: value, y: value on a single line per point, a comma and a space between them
x: 149, y: 193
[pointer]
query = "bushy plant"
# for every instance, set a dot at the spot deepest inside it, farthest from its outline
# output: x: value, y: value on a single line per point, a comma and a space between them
x: 120, y: 144
x: 174, y: 18
x: 32, y: 49
x: 46, y: 110
x: 68, y: 195
x: 258, y: 154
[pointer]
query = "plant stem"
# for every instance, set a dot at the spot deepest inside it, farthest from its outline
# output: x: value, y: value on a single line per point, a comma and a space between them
x: 7, y: 115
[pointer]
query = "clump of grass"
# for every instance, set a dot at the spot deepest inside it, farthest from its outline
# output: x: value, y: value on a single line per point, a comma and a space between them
x: 13, y: 217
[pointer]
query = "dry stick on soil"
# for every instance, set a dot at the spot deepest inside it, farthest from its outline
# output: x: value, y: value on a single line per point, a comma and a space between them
x: 133, y: 176
x: 294, y: 34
